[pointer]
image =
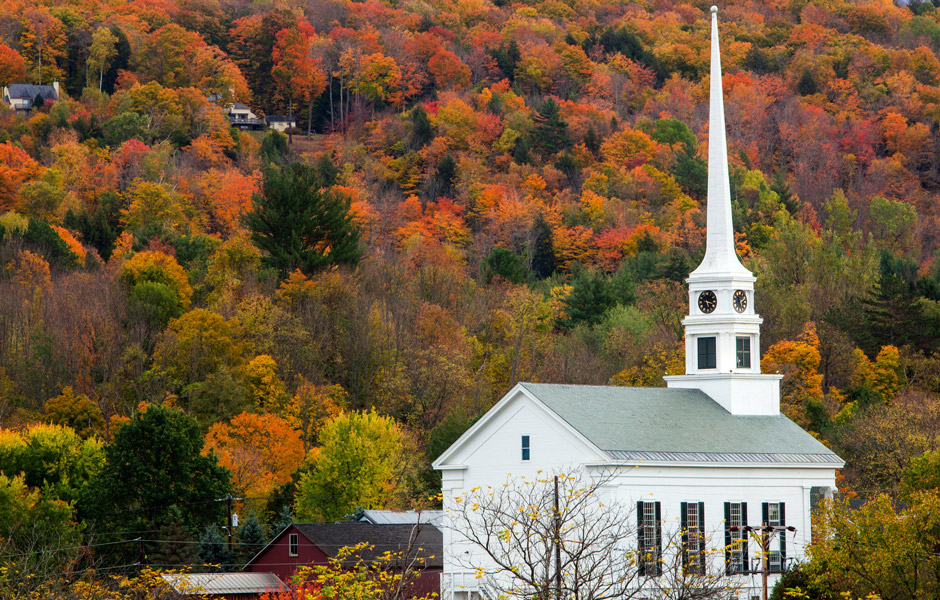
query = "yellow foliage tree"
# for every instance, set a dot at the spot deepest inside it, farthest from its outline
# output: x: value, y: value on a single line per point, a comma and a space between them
x: 884, y: 377
x: 158, y: 267
x: 265, y: 388
x: 798, y: 361
x: 76, y: 411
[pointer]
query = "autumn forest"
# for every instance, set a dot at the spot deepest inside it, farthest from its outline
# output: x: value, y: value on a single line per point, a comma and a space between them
x: 475, y: 193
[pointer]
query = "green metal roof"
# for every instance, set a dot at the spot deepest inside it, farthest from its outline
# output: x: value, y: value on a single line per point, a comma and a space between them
x: 676, y: 424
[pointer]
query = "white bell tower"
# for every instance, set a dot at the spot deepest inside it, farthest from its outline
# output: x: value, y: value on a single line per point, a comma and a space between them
x: 722, y: 331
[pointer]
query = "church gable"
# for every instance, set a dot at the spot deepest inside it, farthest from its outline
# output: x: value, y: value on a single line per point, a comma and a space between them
x: 518, y: 433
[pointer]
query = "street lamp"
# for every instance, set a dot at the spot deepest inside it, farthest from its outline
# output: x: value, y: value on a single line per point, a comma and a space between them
x: 764, y: 534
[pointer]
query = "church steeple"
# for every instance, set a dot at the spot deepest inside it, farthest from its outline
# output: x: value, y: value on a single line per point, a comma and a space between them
x: 720, y: 256
x: 722, y: 330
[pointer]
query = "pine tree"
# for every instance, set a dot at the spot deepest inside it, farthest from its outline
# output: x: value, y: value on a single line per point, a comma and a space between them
x: 214, y: 552
x: 421, y: 131
x: 175, y: 548
x: 541, y: 249
x: 551, y: 131
x: 252, y: 537
x: 300, y: 224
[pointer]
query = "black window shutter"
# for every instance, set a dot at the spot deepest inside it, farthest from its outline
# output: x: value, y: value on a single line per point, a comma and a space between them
x: 684, y: 524
x: 641, y: 550
x: 765, y: 514
x: 783, y: 538
x: 657, y: 555
x: 701, y: 538
x: 728, y: 538
x: 744, y: 535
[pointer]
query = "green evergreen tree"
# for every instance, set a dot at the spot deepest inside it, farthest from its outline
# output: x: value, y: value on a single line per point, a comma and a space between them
x: 175, y: 548
x: 592, y: 141
x: 300, y: 224
x: 541, y: 249
x: 505, y: 263
x: 274, y: 148
x: 807, y: 84
x: 690, y: 171
x: 551, y: 131
x: 593, y: 294
x: 445, y: 177
x: 520, y: 151
x: 506, y: 57
x: 214, y: 552
x: 421, y: 131
x: 252, y: 537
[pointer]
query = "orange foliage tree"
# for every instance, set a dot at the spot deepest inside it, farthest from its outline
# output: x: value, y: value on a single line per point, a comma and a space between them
x: 12, y: 65
x: 261, y: 450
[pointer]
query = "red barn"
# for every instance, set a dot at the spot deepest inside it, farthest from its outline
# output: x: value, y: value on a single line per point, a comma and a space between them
x: 300, y: 545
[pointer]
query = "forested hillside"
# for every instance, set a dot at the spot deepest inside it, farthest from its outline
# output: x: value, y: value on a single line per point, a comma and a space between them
x: 502, y: 192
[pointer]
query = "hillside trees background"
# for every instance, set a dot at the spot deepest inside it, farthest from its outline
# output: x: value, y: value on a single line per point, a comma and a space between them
x: 486, y: 193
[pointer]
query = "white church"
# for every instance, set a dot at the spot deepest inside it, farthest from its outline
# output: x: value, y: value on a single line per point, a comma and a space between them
x: 711, y: 451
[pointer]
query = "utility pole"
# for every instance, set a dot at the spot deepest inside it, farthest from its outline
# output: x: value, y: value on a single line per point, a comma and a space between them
x: 764, y: 535
x: 764, y: 559
x: 558, y: 545
x: 228, y: 526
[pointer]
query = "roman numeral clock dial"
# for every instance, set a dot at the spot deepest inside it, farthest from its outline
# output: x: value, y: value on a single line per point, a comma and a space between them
x: 707, y: 301
x: 739, y: 301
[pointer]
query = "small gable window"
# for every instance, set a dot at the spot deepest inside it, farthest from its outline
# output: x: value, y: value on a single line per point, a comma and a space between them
x: 525, y: 447
x: 707, y: 357
x: 292, y: 544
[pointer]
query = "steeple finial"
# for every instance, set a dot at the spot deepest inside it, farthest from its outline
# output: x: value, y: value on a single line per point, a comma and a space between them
x: 720, y: 256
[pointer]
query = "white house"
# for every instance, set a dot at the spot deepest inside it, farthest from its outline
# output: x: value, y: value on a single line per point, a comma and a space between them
x: 239, y: 115
x: 280, y: 122
x: 711, y: 452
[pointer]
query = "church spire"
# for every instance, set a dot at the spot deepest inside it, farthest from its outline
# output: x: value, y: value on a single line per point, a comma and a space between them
x: 720, y: 256
x: 722, y: 330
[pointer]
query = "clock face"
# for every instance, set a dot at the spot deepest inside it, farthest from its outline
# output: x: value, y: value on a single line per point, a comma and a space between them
x: 739, y: 300
x: 707, y: 301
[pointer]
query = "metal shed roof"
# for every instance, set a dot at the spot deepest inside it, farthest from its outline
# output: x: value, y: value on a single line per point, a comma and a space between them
x: 195, y: 584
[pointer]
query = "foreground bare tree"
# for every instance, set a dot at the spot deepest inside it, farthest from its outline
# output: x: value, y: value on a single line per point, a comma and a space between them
x: 540, y: 545
x: 692, y: 569
x: 529, y: 541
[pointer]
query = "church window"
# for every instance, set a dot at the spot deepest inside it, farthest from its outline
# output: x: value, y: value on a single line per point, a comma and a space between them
x: 692, y: 519
x: 735, y: 537
x: 743, y: 344
x: 774, y: 516
x: 649, y: 534
x: 707, y: 356
x: 525, y: 447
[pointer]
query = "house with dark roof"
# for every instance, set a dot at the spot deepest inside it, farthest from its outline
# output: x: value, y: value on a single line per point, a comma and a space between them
x: 709, y: 458
x: 239, y: 115
x: 280, y: 122
x: 298, y: 545
x: 21, y: 96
